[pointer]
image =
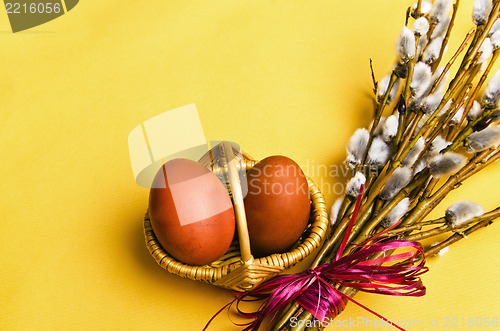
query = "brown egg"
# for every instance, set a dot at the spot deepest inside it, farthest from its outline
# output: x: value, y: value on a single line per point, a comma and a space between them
x: 277, y: 205
x: 191, y: 212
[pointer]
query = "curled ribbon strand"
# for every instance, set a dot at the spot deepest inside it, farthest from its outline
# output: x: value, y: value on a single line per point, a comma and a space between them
x: 315, y: 289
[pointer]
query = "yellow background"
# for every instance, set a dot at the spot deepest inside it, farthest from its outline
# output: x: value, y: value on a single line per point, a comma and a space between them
x: 278, y: 77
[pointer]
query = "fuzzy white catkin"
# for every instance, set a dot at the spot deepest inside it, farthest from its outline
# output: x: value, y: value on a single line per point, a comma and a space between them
x: 390, y: 129
x: 382, y: 88
x: 441, y: 28
x: 491, y: 94
x: 421, y: 123
x: 379, y: 152
x: 495, y: 40
x: 458, y: 116
x: 446, y: 164
x: 334, y: 214
x: 405, y: 46
x: 422, y: 80
x: 397, y: 181
x: 475, y: 111
x: 440, y: 9
x: 445, y: 108
x: 422, y: 44
x: 420, y: 26
x: 486, y: 49
x: 432, y: 51
x: 463, y: 211
x: 443, y: 251
x: 415, y: 105
x: 481, y: 11
x: 396, y: 213
x: 495, y: 116
x: 380, y: 126
x: 437, y: 145
x: 425, y: 7
x: 431, y: 103
x: 420, y: 165
x: 494, y: 28
x: 483, y: 65
x: 356, y: 146
x: 414, y: 153
x: 442, y: 85
x: 479, y: 141
x: 354, y: 184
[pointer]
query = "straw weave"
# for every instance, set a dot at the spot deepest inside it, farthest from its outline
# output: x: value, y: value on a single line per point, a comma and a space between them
x: 229, y: 271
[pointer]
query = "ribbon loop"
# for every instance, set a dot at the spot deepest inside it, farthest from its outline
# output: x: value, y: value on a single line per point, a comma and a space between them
x: 317, y: 289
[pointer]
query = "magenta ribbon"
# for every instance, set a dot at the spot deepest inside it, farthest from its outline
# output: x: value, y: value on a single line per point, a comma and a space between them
x: 314, y: 291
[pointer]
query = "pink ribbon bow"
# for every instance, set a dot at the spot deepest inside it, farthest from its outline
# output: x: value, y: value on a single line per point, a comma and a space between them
x: 314, y: 289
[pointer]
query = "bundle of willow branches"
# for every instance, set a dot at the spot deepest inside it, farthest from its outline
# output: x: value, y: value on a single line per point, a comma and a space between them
x: 427, y: 136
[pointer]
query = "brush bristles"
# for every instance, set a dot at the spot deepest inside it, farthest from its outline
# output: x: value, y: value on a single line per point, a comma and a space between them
x: 334, y: 214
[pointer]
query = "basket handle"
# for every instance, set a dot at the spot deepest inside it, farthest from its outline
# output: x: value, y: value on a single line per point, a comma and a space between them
x: 239, y: 208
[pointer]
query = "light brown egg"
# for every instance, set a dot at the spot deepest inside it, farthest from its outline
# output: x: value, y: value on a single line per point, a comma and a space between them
x: 277, y: 205
x: 191, y: 212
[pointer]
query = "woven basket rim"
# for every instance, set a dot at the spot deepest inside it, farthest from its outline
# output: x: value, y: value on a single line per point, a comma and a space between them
x: 312, y: 236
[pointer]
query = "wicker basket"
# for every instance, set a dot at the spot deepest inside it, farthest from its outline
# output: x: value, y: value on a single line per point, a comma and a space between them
x: 237, y: 269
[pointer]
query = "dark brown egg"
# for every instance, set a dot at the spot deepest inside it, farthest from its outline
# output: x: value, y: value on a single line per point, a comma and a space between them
x: 277, y: 205
x: 191, y: 212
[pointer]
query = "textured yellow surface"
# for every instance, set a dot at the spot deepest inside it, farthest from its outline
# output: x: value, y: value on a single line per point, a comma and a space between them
x: 279, y: 77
